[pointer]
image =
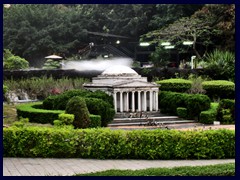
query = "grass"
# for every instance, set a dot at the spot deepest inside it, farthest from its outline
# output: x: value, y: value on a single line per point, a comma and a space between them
x: 9, y: 113
x: 210, y: 170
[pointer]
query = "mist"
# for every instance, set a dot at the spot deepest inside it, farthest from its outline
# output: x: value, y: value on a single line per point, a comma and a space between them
x: 96, y: 64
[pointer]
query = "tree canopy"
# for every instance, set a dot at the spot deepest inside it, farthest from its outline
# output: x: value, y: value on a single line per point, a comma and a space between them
x: 33, y: 31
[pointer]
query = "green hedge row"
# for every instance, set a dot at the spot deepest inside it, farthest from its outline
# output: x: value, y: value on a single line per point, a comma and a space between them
x: 119, y: 144
x: 194, y: 103
x: 175, y: 85
x: 43, y: 116
x: 33, y: 112
x: 214, y: 89
x: 219, y: 89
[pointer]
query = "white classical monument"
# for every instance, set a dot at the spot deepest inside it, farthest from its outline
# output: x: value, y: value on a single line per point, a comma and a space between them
x: 130, y: 91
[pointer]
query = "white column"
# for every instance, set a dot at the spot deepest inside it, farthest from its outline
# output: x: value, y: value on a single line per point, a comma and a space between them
x: 144, y: 101
x: 127, y: 102
x: 115, y: 100
x: 156, y: 100
x: 139, y: 101
x: 151, y: 101
x: 121, y: 101
x: 133, y: 101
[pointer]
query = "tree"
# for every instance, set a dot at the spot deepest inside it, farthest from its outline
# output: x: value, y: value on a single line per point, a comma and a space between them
x: 204, y: 28
x: 12, y: 62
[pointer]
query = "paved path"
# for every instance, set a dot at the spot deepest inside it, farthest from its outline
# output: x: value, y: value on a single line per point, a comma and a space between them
x: 66, y: 167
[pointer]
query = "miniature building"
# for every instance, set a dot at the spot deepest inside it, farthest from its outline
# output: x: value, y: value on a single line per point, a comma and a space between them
x: 130, y: 91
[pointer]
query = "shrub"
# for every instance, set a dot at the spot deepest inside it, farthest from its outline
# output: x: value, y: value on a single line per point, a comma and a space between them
x: 66, y: 119
x: 78, y: 107
x: 102, y: 108
x: 219, y: 89
x: 43, y: 116
x: 221, y: 65
x: 226, y: 111
x: 182, y: 112
x: 207, y: 117
x: 58, y: 123
x: 119, y: 144
x: 170, y: 101
x: 97, y: 103
x: 197, y: 103
x: 95, y: 121
x: 175, y: 85
x: 60, y: 101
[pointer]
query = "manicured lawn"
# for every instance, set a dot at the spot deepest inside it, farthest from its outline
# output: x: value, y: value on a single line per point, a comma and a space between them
x: 211, y: 170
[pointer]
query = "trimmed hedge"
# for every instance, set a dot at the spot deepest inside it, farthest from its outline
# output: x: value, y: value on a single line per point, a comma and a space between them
x: 207, y: 117
x: 219, y: 89
x: 43, y: 116
x: 31, y: 111
x: 195, y: 103
x: 226, y: 111
x: 118, y: 144
x: 175, y: 85
x: 102, y: 108
x: 214, y: 89
x: 182, y: 112
x: 98, y: 103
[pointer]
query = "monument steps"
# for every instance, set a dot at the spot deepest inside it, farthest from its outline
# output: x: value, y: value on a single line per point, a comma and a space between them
x: 152, y: 119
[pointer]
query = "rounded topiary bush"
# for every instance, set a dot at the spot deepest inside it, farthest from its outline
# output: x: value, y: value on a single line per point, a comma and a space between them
x: 77, y: 106
x: 175, y: 85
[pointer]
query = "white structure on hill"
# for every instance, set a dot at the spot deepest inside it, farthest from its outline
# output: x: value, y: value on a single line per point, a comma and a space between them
x: 130, y: 91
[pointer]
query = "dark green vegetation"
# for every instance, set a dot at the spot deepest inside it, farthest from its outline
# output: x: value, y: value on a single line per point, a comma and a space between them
x: 212, y: 170
x: 120, y: 144
x: 214, y: 89
x: 195, y: 103
x: 33, y: 31
x: 98, y: 103
x: 77, y: 106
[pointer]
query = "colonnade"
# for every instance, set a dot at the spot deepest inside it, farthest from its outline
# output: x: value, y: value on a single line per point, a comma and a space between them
x: 135, y: 101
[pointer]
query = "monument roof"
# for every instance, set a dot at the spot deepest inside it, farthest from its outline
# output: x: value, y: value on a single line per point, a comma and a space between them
x: 119, y: 70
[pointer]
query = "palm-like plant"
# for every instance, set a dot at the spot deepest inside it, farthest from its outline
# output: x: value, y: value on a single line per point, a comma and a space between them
x: 222, y: 64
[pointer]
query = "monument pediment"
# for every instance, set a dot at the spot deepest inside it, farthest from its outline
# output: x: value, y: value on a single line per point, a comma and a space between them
x: 134, y: 84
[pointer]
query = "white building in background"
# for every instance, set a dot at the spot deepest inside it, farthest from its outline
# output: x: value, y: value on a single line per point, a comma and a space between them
x: 130, y: 91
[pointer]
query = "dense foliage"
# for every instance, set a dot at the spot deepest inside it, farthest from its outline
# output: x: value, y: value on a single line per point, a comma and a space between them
x: 226, y: 111
x: 194, y: 103
x: 118, y: 144
x: 12, y: 62
x: 36, y: 114
x: 210, y: 115
x: 34, y: 31
x: 77, y: 106
x: 219, y: 89
x: 175, y: 85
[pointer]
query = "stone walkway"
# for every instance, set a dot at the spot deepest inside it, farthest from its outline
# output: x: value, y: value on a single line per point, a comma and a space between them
x: 68, y: 167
